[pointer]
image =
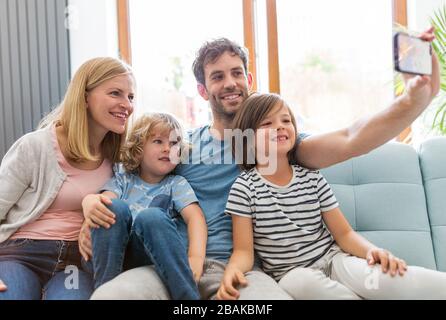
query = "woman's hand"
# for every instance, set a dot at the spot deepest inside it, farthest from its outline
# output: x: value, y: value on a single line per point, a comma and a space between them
x: 231, y: 278
x: 95, y: 211
x: 3, y: 286
x: 387, y: 261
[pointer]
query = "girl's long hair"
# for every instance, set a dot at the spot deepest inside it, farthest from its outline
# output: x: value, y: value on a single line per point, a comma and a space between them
x: 250, y: 115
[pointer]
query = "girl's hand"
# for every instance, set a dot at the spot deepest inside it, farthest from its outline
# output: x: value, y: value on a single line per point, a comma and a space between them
x: 196, y: 264
x: 231, y: 278
x: 387, y: 261
x: 96, y: 213
x: 3, y: 286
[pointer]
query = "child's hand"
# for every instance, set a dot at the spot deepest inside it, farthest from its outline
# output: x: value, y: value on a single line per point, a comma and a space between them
x: 196, y: 264
x: 231, y: 278
x: 387, y: 261
x: 84, y: 242
x: 96, y: 213
x: 3, y: 286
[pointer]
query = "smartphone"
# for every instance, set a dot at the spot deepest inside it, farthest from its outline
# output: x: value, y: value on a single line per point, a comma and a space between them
x: 412, y: 55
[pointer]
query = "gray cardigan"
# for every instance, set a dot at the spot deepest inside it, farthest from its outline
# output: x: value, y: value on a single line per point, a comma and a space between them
x: 30, y: 179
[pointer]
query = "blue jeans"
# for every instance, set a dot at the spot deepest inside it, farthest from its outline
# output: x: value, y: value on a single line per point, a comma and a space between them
x: 43, y: 269
x: 152, y: 239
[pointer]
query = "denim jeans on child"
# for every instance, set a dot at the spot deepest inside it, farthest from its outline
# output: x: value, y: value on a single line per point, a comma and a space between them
x: 153, y: 238
x: 43, y: 269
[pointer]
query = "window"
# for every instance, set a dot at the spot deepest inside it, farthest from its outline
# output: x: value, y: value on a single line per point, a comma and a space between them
x: 335, y: 59
x: 165, y: 36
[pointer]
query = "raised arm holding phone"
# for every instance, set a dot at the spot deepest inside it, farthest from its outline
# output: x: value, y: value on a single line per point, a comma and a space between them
x: 368, y: 133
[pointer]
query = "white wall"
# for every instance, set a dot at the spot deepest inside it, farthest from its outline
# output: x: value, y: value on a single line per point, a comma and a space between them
x: 93, y: 30
x: 419, y: 12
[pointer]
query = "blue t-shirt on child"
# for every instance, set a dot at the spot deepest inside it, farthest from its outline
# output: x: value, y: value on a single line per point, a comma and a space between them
x: 171, y: 194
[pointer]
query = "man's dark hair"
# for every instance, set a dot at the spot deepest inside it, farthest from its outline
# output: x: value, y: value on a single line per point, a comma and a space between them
x: 210, y: 51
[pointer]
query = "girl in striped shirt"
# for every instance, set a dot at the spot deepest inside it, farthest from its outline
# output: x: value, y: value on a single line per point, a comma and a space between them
x: 289, y: 216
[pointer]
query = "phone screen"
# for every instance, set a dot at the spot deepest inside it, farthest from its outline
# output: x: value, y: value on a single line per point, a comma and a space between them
x: 414, y: 55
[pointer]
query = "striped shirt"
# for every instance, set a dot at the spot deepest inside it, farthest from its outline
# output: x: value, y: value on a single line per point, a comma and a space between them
x: 287, y: 222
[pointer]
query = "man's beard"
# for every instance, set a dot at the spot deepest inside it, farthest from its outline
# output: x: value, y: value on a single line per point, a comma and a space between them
x: 220, y: 111
x: 226, y: 113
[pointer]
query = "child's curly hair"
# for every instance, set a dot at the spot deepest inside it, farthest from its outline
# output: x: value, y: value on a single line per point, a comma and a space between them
x: 145, y: 127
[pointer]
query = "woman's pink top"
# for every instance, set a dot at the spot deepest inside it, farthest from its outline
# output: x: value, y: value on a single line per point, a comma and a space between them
x: 64, y: 218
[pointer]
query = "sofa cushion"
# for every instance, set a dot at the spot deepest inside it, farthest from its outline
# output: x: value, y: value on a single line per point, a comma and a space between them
x: 382, y: 196
x: 432, y: 155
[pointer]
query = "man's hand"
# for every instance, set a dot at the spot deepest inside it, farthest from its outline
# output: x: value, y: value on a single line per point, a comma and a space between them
x: 387, y: 261
x: 420, y: 90
x: 231, y: 278
x: 196, y: 264
x: 3, y: 286
x: 95, y: 211
x: 85, y: 242
x: 326, y: 149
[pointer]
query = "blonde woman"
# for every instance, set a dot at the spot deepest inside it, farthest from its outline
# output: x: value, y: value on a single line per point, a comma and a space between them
x: 149, y: 204
x: 46, y: 174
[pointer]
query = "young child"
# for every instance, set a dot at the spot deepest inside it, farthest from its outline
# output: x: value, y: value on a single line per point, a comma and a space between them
x: 291, y: 218
x: 144, y: 198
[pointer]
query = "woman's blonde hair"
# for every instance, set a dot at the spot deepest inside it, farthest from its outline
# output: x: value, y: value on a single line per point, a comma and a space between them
x: 145, y: 127
x: 72, y: 112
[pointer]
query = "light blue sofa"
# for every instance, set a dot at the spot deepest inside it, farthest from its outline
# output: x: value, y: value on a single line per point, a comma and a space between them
x: 395, y: 196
